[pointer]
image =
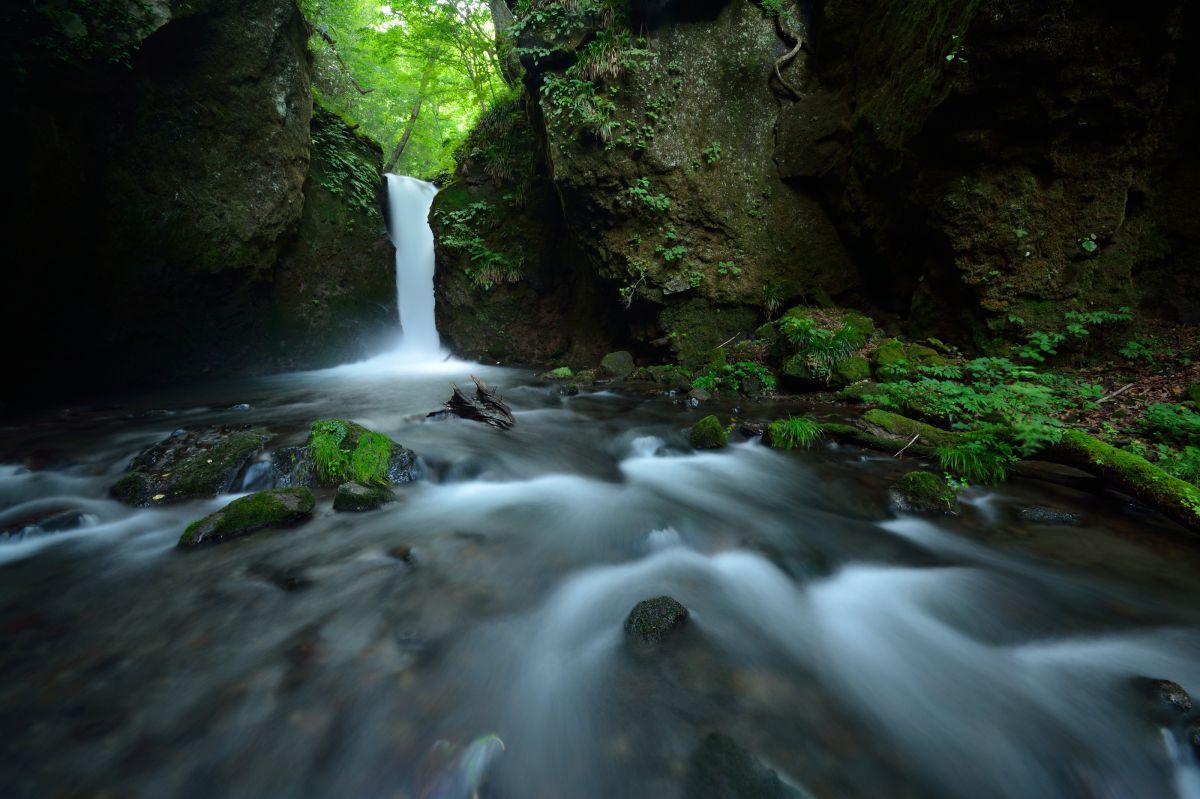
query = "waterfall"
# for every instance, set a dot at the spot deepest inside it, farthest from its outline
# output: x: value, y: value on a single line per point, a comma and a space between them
x: 408, y: 205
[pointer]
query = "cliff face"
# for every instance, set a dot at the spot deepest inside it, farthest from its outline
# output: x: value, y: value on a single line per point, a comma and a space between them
x: 179, y: 219
x: 976, y: 167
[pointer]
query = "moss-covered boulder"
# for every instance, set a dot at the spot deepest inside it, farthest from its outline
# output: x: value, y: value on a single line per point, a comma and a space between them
x: 708, y: 434
x: 669, y: 376
x: 561, y: 373
x: 278, y: 507
x: 617, y: 365
x: 923, y: 492
x: 190, y: 464
x: 852, y: 370
x: 341, y: 450
x: 652, y: 619
x: 820, y: 347
x: 356, y: 497
x: 896, y: 360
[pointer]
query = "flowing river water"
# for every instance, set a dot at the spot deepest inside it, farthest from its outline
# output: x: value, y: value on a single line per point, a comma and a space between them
x: 854, y: 651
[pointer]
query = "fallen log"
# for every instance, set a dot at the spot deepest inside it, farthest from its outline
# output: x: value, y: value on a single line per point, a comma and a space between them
x: 486, y: 406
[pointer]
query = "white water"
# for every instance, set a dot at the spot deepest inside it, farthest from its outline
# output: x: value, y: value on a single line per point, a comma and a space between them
x: 409, y: 200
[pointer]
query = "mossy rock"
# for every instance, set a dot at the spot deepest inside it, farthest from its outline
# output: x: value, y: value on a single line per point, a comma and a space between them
x: 651, y: 619
x: 561, y: 373
x: 672, y: 376
x: 617, y: 365
x: 341, y: 450
x: 708, y: 434
x: 923, y: 492
x: 853, y: 370
x: 895, y: 360
x: 357, y: 497
x: 192, y: 464
x: 278, y: 507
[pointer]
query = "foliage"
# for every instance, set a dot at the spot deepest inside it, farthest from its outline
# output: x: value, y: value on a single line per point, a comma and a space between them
x: 346, y: 171
x: 817, y: 349
x: 1172, y: 423
x: 80, y: 31
x: 1041, y: 344
x: 793, y: 433
x: 577, y: 105
x: 382, y: 66
x: 325, y: 445
x: 641, y: 193
x: 334, y: 462
x: 740, y: 377
x: 488, y: 267
x: 712, y: 153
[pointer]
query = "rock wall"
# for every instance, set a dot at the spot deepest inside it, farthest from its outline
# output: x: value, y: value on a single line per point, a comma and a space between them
x: 176, y: 219
x: 974, y: 168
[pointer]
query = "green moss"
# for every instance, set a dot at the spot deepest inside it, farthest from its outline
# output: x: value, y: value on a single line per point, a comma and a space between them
x: 342, y: 451
x: 901, y: 427
x: 708, y: 434
x: 925, y: 491
x: 1193, y: 393
x: 207, y: 473
x: 247, y: 514
x: 561, y: 373
x: 132, y: 489
x: 792, y: 433
x: 853, y: 369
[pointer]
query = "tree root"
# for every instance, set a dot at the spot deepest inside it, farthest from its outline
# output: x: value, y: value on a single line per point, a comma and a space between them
x: 787, y: 58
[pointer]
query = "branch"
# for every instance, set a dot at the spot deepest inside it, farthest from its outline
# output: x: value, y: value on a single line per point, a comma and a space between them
x: 324, y: 34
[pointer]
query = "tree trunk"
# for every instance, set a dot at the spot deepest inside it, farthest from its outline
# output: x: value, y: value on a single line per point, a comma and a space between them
x: 408, y: 129
x: 506, y: 51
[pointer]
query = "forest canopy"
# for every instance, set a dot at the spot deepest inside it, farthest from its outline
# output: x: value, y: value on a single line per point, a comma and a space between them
x: 412, y: 74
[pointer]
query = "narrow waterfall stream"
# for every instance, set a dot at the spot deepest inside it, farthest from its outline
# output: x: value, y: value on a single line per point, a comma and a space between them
x: 408, y: 206
x: 473, y: 630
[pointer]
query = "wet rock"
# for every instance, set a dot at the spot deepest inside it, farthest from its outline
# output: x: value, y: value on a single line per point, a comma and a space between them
x: 284, y: 579
x: 190, y: 464
x: 402, y: 552
x: 720, y: 769
x: 1166, y: 701
x: 56, y: 522
x: 1192, y: 736
x: 617, y: 365
x: 1040, y: 515
x: 708, y: 434
x: 699, y: 395
x: 355, y: 496
x: 923, y: 492
x: 293, y: 468
x: 568, y: 390
x: 561, y: 373
x: 279, y: 507
x: 651, y: 619
x: 752, y: 429
x: 339, y: 450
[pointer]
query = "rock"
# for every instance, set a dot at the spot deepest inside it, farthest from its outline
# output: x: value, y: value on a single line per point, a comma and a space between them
x: 284, y: 579
x: 402, y: 552
x: 1171, y: 696
x: 561, y: 373
x: 894, y: 360
x: 720, y: 769
x: 568, y: 390
x: 699, y: 395
x: 708, y: 434
x: 339, y: 450
x: 651, y: 619
x: 752, y: 429
x: 1192, y: 735
x: 1163, y: 701
x: 57, y: 522
x: 355, y: 496
x: 617, y: 365
x: 293, y: 467
x: 923, y: 492
x: 853, y: 370
x: 278, y: 507
x: 190, y: 464
x: 1040, y: 515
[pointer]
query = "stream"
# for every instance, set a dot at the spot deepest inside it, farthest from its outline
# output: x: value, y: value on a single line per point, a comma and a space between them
x: 472, y: 632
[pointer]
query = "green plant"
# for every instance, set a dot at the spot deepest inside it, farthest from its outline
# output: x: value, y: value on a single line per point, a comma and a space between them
x: 793, y: 433
x: 641, y: 193
x: 818, y: 350
x: 488, y: 267
x: 343, y: 169
x: 1171, y: 423
x: 325, y: 445
x: 1089, y: 244
x: 670, y: 254
x: 727, y: 268
x: 712, y: 153
x: 740, y: 377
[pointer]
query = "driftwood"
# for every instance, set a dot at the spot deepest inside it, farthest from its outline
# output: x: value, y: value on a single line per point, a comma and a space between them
x: 486, y: 406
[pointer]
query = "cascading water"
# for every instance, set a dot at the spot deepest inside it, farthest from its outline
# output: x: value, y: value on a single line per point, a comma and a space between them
x: 408, y: 225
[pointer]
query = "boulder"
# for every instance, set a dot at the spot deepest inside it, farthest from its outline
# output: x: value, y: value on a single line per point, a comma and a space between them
x: 278, y: 507
x: 339, y: 450
x: 720, y: 769
x: 55, y: 522
x: 923, y: 492
x: 1040, y: 515
x: 617, y: 365
x: 852, y: 370
x: 190, y: 464
x: 651, y: 619
x: 355, y: 496
x: 708, y: 434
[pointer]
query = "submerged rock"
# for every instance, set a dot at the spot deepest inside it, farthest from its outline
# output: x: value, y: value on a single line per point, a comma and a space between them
x: 1041, y: 515
x: 190, y: 464
x: 708, y: 434
x: 923, y: 492
x: 720, y: 769
x: 651, y: 619
x: 355, y: 496
x: 54, y: 522
x: 617, y: 365
x: 278, y: 507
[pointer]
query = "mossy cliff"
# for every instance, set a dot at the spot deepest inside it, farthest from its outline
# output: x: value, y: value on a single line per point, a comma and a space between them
x: 173, y: 207
x: 979, y: 168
